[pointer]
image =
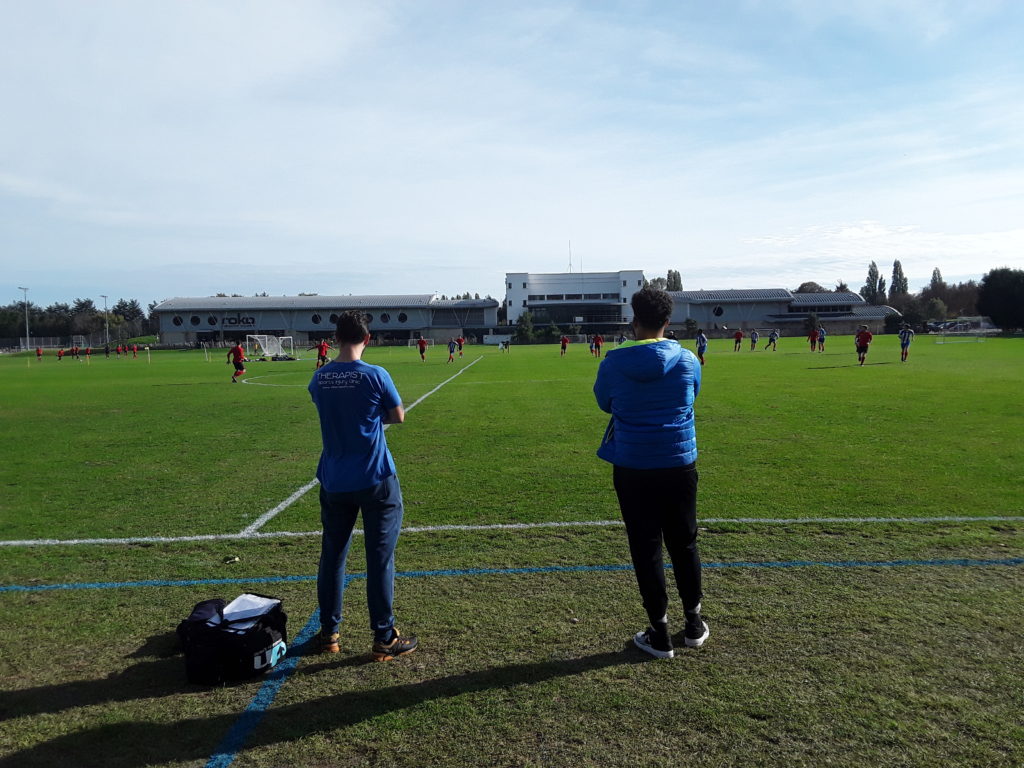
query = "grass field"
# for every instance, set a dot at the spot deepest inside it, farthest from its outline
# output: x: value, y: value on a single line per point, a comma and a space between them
x: 863, y: 532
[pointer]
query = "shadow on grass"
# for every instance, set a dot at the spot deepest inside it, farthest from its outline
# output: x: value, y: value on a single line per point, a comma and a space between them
x: 136, y: 744
x: 148, y: 679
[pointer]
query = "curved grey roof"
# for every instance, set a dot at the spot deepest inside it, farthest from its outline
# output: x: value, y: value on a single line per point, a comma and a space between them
x: 287, y: 303
x: 822, y: 299
x: 746, y: 295
x: 463, y: 303
x: 874, y: 311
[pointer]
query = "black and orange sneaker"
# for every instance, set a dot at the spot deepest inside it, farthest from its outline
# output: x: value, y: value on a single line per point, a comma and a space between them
x: 328, y: 642
x: 398, y: 646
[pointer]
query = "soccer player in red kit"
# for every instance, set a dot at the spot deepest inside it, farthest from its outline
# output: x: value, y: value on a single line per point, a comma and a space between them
x: 321, y: 352
x: 39, y: 354
x: 118, y: 350
x: 422, y: 344
x: 135, y: 351
x: 598, y: 341
x: 236, y: 355
x: 737, y: 338
x: 565, y: 343
x: 60, y: 354
x: 863, y: 339
x: 461, y: 342
x: 813, y: 338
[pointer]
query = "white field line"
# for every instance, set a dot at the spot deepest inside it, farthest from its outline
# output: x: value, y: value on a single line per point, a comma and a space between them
x: 518, y: 527
x: 260, y: 521
x: 270, y: 514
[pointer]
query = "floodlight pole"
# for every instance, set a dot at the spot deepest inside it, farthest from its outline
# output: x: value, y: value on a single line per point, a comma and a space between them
x: 28, y: 336
x: 106, y: 318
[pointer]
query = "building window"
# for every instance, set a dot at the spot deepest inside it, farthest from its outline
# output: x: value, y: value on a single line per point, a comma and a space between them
x: 334, y: 319
x: 211, y: 320
x: 524, y: 285
x: 554, y: 297
x: 639, y: 283
x: 316, y: 319
x: 623, y: 283
x: 194, y: 320
x: 385, y: 317
x: 510, y: 286
x: 535, y: 297
x: 623, y: 301
x: 402, y: 317
x: 524, y: 302
x: 573, y: 296
x: 717, y: 311
x: 597, y: 296
x: 369, y: 317
x: 177, y: 320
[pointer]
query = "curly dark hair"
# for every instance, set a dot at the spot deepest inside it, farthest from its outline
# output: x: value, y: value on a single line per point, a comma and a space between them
x: 652, y: 307
x: 352, y: 327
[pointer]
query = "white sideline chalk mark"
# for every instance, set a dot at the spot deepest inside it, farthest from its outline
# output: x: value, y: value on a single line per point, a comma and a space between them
x: 270, y: 514
x: 516, y: 527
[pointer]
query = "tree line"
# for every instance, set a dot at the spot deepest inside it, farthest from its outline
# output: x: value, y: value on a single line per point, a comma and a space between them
x: 126, y: 317
x: 999, y: 295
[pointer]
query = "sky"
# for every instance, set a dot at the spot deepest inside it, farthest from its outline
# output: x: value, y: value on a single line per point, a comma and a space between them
x: 157, y: 149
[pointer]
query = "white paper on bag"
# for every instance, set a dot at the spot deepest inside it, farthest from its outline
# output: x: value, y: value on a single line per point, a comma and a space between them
x: 248, y: 606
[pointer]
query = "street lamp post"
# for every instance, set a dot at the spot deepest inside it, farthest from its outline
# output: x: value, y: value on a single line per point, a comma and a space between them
x: 28, y: 336
x: 106, y: 319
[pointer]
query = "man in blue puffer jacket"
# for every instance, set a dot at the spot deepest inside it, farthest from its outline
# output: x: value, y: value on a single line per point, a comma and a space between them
x: 648, y: 386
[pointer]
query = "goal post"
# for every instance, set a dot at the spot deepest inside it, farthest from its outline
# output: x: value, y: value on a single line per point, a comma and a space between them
x: 274, y: 347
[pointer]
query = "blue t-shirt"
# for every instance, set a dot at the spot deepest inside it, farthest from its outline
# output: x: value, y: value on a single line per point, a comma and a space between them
x: 352, y: 399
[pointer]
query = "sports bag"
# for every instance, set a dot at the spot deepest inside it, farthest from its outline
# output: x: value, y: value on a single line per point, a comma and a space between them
x: 241, y: 639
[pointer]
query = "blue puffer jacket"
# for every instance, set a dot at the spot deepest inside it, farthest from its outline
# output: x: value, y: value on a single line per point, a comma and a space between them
x: 649, y: 387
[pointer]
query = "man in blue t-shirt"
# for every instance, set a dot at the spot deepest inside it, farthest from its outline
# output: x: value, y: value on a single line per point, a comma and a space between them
x: 357, y: 473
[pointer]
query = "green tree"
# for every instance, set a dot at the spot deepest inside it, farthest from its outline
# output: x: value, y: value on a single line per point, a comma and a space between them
x: 842, y: 287
x: 812, y: 322
x: 83, y: 307
x: 658, y: 282
x: 810, y: 287
x: 690, y: 327
x: 1001, y: 297
x: 524, y: 328
x: 936, y: 309
x: 551, y: 333
x: 674, y: 281
x: 869, y: 291
x: 898, y: 286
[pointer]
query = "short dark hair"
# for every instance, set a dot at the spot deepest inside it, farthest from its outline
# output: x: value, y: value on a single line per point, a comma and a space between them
x: 652, y: 307
x: 352, y: 327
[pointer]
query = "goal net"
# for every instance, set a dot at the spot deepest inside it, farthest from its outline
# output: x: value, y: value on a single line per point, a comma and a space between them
x: 965, y: 329
x: 274, y: 347
x: 956, y: 337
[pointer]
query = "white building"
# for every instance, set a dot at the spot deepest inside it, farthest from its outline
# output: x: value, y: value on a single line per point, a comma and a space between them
x: 572, y: 298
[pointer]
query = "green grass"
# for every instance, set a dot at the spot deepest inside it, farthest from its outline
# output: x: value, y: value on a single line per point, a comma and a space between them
x: 805, y: 666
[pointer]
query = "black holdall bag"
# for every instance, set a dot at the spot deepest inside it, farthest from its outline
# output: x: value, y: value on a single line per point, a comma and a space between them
x: 233, y: 641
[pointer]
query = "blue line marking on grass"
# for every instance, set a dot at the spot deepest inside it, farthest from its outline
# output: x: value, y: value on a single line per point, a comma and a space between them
x: 227, y: 750
x: 961, y: 562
